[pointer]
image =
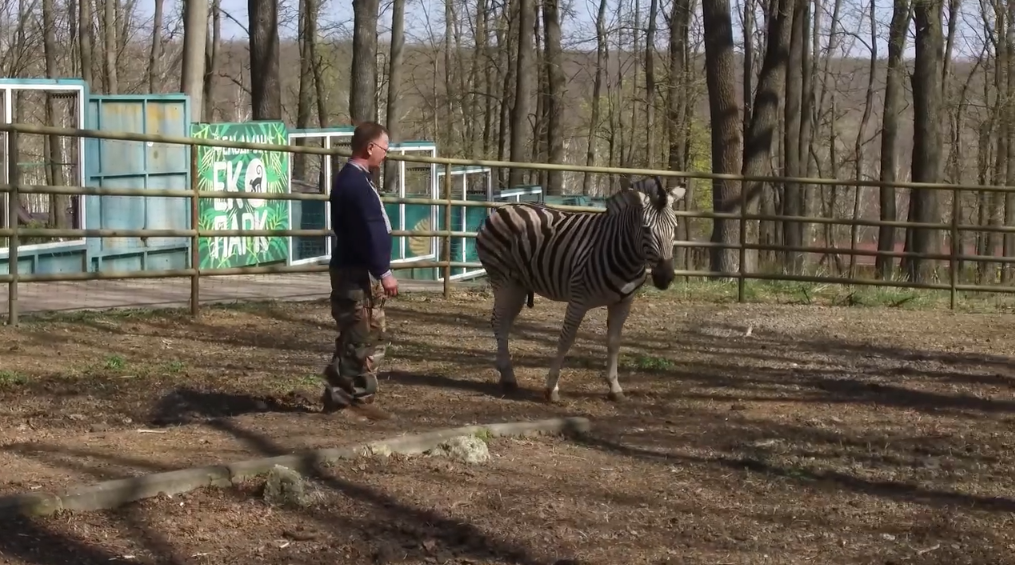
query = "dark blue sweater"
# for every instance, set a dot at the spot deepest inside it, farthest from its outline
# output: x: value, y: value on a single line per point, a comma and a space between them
x: 357, y: 218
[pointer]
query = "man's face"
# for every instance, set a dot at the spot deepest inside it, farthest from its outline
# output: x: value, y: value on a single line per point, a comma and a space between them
x: 377, y: 151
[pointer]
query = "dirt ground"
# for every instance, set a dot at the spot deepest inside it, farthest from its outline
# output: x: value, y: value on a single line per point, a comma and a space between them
x: 751, y: 434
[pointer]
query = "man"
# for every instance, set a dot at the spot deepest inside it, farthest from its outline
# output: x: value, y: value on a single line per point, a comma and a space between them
x: 360, y: 272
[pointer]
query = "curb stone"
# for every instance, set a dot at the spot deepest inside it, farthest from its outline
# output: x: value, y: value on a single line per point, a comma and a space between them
x: 113, y: 494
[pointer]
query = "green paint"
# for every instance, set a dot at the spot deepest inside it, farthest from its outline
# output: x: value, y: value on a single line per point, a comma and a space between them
x: 417, y: 218
x: 394, y: 216
x: 241, y: 170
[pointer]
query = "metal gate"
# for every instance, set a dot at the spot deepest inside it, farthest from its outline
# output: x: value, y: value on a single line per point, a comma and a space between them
x: 313, y: 174
x: 44, y: 160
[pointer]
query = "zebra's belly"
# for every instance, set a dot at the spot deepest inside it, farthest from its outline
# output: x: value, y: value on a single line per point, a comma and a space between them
x: 593, y: 297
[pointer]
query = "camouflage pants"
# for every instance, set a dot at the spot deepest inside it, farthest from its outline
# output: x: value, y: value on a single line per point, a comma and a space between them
x: 357, y: 305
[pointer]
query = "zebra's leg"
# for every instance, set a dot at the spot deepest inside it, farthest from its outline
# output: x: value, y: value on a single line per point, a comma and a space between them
x: 572, y: 319
x: 616, y: 315
x: 507, y: 303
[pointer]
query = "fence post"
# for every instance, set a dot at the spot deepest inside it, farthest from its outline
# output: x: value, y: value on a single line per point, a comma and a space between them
x: 953, y: 261
x: 13, y: 179
x: 447, y: 226
x: 743, y: 241
x: 195, y: 253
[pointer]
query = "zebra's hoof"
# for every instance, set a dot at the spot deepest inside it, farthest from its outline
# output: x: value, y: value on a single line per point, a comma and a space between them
x: 617, y: 396
x: 551, y: 395
x: 509, y: 386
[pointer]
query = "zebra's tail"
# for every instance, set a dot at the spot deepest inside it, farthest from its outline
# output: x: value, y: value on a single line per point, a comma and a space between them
x: 532, y: 297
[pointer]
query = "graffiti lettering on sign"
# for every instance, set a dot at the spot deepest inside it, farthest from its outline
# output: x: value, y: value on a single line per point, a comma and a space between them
x: 242, y: 170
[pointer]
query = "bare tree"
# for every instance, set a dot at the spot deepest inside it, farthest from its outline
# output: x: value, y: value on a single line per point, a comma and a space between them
x: 764, y: 119
x: 726, y: 141
x: 112, y: 82
x: 792, y: 166
x: 363, y: 86
x: 890, y: 132
x: 597, y: 93
x: 523, y: 87
x: 926, y: 134
x: 265, y: 83
x: 58, y: 204
x: 554, y: 61
x: 211, y: 62
x: 195, y: 35
x: 395, y: 85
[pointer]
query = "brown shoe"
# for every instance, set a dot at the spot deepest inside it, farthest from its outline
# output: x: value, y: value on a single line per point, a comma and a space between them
x: 335, y: 399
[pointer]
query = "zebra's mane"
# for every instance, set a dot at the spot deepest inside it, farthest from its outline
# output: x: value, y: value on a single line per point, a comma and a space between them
x: 635, y: 195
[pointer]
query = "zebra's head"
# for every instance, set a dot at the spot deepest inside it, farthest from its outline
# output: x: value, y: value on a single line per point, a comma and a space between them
x: 659, y: 226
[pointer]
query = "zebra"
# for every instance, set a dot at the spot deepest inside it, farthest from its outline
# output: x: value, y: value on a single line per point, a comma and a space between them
x: 586, y: 259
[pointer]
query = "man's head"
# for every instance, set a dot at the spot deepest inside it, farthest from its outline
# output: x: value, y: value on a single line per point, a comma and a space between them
x: 370, y: 143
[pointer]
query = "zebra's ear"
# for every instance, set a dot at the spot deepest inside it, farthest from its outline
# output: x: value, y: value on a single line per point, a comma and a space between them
x: 678, y: 192
x: 663, y: 198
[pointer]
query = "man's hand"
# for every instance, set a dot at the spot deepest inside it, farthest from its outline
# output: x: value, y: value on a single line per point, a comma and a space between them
x: 390, y: 285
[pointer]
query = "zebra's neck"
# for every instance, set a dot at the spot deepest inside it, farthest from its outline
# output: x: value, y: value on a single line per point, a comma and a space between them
x: 620, y: 237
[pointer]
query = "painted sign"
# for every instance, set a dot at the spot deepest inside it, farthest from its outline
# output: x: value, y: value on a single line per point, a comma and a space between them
x: 242, y: 170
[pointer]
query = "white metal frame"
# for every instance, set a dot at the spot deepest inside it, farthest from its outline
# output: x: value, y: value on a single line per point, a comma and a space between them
x: 327, y: 136
x: 434, y: 194
x: 7, y: 90
x: 464, y: 173
x: 515, y: 194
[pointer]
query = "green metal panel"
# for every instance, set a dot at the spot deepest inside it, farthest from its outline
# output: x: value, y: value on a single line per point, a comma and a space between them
x: 131, y: 164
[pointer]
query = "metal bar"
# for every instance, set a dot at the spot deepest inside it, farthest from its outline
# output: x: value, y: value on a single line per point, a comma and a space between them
x: 179, y: 140
x: 173, y: 193
x: 13, y: 241
x: 307, y: 269
x: 111, y: 233
x: 447, y: 225
x: 195, y: 249
x: 233, y: 271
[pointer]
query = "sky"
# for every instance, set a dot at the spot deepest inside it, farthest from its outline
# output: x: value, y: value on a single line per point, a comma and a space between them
x: 580, y: 25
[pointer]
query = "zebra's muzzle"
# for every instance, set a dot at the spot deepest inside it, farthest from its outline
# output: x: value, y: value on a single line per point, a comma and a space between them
x: 662, y: 274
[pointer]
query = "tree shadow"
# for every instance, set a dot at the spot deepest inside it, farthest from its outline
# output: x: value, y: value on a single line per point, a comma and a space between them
x: 893, y: 490
x: 186, y: 405
x: 489, y: 388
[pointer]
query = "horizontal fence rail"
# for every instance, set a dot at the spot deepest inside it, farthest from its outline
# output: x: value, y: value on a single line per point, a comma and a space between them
x: 15, y: 232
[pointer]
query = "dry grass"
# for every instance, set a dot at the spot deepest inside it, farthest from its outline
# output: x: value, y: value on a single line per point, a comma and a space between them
x: 754, y: 433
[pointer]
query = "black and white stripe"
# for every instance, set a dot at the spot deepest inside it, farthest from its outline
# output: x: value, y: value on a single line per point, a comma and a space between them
x: 586, y: 259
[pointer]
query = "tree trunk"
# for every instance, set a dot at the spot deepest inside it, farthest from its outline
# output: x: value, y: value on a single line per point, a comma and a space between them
x: 59, y: 204
x: 650, y: 85
x: 109, y: 44
x: 211, y: 61
x: 727, y: 144
x: 858, y: 153
x: 155, y: 57
x: 265, y: 84
x: 792, y: 232
x: 765, y: 118
x: 523, y: 88
x: 363, y: 86
x: 556, y: 84
x: 507, y: 36
x: 394, y: 88
x: 597, y: 94
x: 926, y: 134
x: 195, y: 36
x: 86, y: 28
x: 890, y: 133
